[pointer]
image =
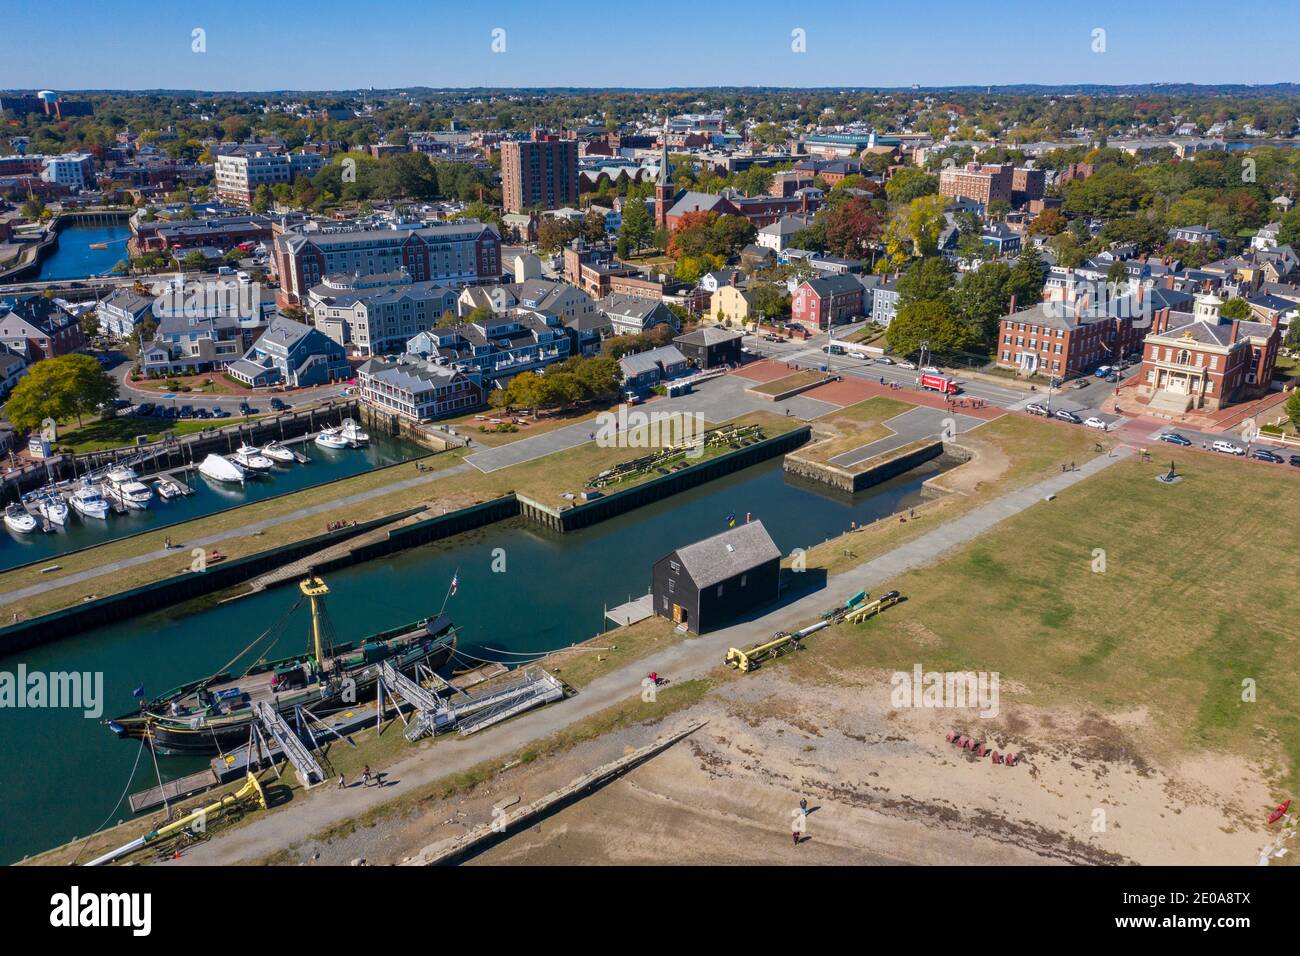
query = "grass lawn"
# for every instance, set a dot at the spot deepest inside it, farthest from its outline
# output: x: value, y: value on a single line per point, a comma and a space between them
x: 780, y: 385
x: 1015, y: 450
x: 1197, y: 596
x: 470, y: 424
x: 205, y: 384
x: 124, y: 430
x: 853, y: 426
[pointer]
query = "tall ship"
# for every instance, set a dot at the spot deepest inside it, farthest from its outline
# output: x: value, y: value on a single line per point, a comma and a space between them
x: 214, y: 714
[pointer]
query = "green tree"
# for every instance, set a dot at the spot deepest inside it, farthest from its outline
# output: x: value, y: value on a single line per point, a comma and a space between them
x: 1027, y: 277
x: 911, y: 183
x: 926, y: 280
x: 638, y: 227
x: 1236, y: 308
x: 60, y: 388
x: 930, y: 322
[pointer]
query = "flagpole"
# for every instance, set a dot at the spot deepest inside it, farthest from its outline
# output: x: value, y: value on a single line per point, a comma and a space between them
x: 454, y: 578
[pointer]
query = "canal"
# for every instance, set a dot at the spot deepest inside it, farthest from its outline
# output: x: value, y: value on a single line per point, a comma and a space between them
x: 209, y: 497
x: 63, y: 771
x: 75, y: 259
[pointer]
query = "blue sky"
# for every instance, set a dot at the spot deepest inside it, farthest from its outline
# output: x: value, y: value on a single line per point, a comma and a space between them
x: 344, y: 44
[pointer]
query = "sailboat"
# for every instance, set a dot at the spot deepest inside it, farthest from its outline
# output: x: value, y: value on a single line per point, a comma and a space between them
x: 53, y: 509
x: 214, y: 714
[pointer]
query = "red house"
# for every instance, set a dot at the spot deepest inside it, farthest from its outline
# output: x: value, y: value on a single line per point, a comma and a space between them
x: 821, y: 303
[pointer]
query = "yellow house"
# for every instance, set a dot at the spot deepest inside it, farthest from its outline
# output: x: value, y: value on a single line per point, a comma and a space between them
x: 729, y: 304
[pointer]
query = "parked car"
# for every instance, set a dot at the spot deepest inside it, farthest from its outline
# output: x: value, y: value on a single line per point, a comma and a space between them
x: 885, y: 360
x: 1080, y: 383
x: 1294, y: 461
x: 1228, y: 448
x: 1095, y: 422
x: 1103, y: 371
x: 1263, y: 454
x: 278, y: 405
x: 1033, y: 408
x: 187, y: 411
x: 202, y: 412
x: 1065, y: 415
x: 144, y: 409
x: 219, y: 412
x: 246, y: 409
x: 1173, y: 438
x: 931, y: 370
x: 170, y: 412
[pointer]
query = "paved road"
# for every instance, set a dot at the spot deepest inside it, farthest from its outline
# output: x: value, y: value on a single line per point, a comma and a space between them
x: 682, y: 661
x: 182, y: 547
x: 912, y: 425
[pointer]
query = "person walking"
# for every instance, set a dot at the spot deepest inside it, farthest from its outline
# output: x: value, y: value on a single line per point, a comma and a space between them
x: 342, y: 783
x: 365, y: 775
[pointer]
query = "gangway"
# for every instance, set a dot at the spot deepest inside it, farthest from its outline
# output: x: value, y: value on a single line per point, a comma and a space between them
x: 309, y: 770
x: 537, y: 688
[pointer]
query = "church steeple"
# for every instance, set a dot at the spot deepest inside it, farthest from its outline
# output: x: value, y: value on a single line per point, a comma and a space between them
x: 665, y: 194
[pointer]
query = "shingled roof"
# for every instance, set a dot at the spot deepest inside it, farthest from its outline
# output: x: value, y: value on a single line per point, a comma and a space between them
x: 725, y: 555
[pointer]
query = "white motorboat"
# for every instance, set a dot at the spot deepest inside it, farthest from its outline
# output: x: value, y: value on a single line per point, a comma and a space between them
x: 250, y: 458
x: 125, y: 487
x: 20, y: 520
x: 352, y: 432
x: 332, y: 438
x: 88, y: 502
x: 277, y: 452
x: 167, y: 489
x: 53, y: 509
x: 221, y: 468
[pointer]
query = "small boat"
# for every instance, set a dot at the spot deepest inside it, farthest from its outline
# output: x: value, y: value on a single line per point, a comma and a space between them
x: 53, y: 509
x: 167, y: 490
x: 352, y: 432
x: 99, y: 245
x: 277, y: 452
x: 332, y: 438
x: 221, y: 468
x: 88, y: 502
x: 20, y: 520
x: 124, y: 486
x: 250, y: 458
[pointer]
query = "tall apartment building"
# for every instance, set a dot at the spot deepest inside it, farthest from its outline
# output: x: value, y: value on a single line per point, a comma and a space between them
x: 74, y: 170
x: 377, y: 314
x: 539, y: 173
x: 1028, y: 184
x: 238, y: 175
x: 978, y: 182
x: 458, y: 253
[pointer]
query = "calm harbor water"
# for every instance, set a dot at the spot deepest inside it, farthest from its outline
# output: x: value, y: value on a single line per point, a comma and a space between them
x: 209, y: 497
x: 63, y: 772
x: 74, y: 259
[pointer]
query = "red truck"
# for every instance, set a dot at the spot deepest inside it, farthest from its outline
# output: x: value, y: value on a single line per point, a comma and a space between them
x: 938, y: 383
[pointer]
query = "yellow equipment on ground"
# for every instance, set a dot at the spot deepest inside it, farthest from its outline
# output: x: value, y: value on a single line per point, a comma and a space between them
x: 782, y: 643
x: 872, y: 608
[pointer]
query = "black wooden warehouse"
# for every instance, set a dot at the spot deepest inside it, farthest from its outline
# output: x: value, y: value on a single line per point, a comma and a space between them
x: 712, y: 582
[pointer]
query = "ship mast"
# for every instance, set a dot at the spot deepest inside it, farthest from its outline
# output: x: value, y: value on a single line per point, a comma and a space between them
x: 315, y: 589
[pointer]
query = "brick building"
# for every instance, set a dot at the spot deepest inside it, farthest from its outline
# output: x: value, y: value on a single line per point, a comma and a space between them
x: 978, y: 182
x: 1200, y: 360
x: 539, y: 173
x: 821, y: 303
x: 447, y: 253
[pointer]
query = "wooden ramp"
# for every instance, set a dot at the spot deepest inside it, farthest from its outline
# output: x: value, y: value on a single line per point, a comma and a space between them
x: 173, y: 790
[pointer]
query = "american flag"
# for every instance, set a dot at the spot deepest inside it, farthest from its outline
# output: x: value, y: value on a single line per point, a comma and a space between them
x: 455, y: 583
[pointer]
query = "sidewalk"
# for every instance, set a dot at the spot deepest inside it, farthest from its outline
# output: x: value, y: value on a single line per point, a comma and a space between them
x: 689, y: 659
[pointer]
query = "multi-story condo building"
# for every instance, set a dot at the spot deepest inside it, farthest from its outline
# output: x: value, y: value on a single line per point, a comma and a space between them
x: 539, y: 173
x: 418, y: 389
x: 292, y: 354
x: 73, y: 170
x: 498, y: 347
x: 458, y: 253
x: 377, y: 314
x: 978, y: 182
x: 238, y: 175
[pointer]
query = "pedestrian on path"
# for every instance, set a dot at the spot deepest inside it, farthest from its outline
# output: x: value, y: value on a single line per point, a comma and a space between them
x: 365, y: 775
x: 342, y: 783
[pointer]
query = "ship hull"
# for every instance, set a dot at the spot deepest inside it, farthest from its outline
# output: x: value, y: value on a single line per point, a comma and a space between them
x: 220, y: 734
